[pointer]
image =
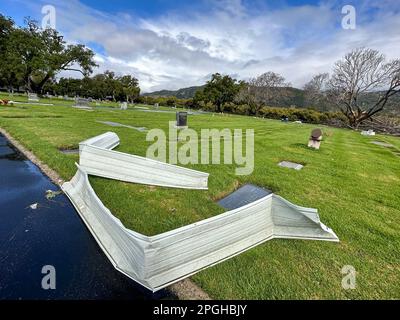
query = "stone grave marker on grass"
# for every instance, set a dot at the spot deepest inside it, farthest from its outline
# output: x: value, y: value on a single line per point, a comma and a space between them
x: 33, y: 97
x: 284, y: 119
x: 368, y: 133
x: 124, y: 106
x: 383, y: 144
x: 181, y: 119
x: 116, y: 124
x: 315, y: 139
x: 82, y: 103
x: 242, y: 196
x: 291, y: 165
x: 69, y: 151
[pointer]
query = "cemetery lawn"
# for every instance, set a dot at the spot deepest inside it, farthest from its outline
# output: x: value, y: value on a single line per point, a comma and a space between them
x: 354, y: 184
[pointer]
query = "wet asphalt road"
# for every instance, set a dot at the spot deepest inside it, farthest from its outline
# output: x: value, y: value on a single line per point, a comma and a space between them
x: 53, y: 234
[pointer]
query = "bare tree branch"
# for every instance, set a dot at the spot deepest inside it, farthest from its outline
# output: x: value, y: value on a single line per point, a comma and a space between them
x: 360, y: 72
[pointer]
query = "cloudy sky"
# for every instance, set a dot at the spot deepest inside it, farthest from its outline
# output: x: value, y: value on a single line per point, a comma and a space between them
x: 180, y: 43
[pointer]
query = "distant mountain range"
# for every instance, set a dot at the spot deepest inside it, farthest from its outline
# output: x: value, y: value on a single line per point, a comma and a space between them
x: 293, y: 97
x: 184, y: 93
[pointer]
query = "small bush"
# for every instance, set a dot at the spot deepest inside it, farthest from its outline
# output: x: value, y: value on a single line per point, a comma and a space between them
x: 243, y: 109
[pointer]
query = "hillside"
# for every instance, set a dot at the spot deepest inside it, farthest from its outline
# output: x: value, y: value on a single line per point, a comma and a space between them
x: 184, y: 93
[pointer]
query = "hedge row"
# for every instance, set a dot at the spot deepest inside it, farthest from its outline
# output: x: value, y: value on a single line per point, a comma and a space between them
x: 292, y: 114
x: 165, y: 101
x: 304, y: 115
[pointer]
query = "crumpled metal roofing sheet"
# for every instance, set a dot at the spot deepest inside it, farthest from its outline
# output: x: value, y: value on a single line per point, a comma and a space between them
x: 158, y: 261
x: 97, y: 158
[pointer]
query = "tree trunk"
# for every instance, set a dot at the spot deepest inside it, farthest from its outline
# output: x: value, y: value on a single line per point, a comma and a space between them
x: 357, y: 119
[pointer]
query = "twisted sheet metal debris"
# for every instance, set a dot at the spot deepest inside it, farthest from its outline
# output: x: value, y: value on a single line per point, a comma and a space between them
x: 158, y: 261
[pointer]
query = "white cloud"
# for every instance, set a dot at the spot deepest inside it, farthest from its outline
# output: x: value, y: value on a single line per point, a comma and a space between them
x: 179, y: 49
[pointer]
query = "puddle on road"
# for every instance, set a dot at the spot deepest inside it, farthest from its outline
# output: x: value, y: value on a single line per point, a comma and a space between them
x: 53, y: 234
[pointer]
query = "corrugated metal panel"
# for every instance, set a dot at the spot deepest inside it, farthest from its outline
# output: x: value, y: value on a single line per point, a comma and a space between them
x: 96, y: 159
x: 108, y: 140
x: 158, y: 261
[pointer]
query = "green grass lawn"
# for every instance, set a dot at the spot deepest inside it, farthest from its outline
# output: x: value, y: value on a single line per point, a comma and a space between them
x: 58, y: 102
x: 354, y: 184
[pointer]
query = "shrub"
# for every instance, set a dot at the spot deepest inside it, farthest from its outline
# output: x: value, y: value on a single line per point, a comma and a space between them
x: 304, y: 115
x: 243, y: 109
x: 229, y: 107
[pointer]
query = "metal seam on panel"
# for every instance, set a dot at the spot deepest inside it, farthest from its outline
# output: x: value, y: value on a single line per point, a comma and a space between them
x: 96, y: 158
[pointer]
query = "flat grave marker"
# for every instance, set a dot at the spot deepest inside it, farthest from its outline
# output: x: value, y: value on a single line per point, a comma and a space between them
x: 242, y: 196
x: 116, y: 124
x: 70, y: 151
x: 368, y: 133
x: 383, y: 144
x: 33, y: 97
x: 82, y: 103
x: 291, y: 165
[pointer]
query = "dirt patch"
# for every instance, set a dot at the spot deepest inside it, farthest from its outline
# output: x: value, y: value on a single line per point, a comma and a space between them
x: 188, y: 290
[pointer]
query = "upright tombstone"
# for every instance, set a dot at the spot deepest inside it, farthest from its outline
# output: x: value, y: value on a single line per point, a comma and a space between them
x: 368, y: 133
x: 33, y: 97
x: 181, y: 119
x: 82, y: 103
x: 124, y: 105
x: 156, y: 105
x: 315, y: 139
